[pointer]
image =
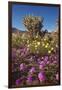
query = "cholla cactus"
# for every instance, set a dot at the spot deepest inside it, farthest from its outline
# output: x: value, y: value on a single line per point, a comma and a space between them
x: 33, y: 24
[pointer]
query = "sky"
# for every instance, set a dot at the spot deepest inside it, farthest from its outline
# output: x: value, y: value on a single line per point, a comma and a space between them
x: 49, y: 13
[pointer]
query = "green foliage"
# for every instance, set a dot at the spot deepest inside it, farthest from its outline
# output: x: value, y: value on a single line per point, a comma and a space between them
x: 45, y: 45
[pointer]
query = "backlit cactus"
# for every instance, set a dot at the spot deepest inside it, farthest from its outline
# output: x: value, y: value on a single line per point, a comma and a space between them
x: 33, y: 24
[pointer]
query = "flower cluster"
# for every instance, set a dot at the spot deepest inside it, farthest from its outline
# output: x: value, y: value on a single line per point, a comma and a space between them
x: 34, y: 61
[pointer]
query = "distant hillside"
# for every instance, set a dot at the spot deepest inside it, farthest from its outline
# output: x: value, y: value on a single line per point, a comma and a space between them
x: 15, y: 30
x: 52, y: 34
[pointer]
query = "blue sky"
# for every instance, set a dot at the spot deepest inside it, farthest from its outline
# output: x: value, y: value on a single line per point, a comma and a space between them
x: 49, y: 13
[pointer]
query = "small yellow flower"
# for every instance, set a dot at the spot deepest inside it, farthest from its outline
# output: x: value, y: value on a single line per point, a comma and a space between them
x: 44, y: 39
x: 46, y: 46
x: 36, y: 36
x: 52, y: 48
x: 36, y: 46
x: 27, y: 41
x: 49, y: 51
x: 38, y: 43
x: 28, y: 45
